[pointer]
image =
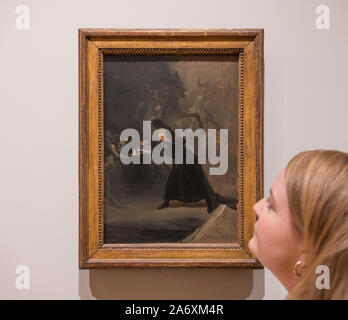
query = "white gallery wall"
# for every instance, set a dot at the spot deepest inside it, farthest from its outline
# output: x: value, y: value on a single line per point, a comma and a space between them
x: 305, y: 108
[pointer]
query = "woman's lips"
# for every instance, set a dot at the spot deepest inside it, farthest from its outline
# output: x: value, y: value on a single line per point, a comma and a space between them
x: 255, y: 229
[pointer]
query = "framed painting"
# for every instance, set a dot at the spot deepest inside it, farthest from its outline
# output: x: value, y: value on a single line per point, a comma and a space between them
x: 170, y: 147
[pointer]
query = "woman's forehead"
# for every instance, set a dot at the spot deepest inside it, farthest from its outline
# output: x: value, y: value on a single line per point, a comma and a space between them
x: 278, y: 184
x: 280, y: 180
x: 279, y: 189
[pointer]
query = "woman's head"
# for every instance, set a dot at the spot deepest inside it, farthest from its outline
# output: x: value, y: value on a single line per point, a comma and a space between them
x: 306, y: 219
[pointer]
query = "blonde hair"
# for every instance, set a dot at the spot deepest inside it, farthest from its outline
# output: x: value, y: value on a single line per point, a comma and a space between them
x: 317, y: 187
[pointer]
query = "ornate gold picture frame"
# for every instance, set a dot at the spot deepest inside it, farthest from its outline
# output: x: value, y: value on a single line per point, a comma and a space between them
x: 127, y: 76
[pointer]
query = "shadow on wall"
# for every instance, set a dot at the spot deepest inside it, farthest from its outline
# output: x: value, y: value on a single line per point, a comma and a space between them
x: 170, y: 284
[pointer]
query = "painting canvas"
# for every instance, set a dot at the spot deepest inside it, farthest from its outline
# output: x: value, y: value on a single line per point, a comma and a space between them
x: 170, y: 147
x: 170, y: 202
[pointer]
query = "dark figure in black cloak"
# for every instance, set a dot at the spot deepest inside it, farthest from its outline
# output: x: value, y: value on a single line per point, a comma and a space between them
x: 188, y: 182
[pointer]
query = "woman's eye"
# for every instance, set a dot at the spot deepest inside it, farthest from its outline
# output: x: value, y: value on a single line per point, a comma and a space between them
x: 269, y: 203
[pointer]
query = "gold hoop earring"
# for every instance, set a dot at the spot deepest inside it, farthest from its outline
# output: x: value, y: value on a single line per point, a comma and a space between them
x: 297, y: 264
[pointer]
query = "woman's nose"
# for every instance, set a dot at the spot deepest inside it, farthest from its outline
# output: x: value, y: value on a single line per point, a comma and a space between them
x: 257, y: 208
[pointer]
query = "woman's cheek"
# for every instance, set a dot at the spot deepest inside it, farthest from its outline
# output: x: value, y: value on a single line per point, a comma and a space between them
x: 266, y: 230
x: 264, y: 238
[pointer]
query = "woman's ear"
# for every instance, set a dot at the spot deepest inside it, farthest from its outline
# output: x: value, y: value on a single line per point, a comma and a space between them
x: 302, y: 256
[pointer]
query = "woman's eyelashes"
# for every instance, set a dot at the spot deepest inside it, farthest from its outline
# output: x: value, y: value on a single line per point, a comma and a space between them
x: 269, y: 203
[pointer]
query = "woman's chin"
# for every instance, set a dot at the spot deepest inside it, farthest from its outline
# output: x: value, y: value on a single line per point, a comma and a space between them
x: 252, y: 245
